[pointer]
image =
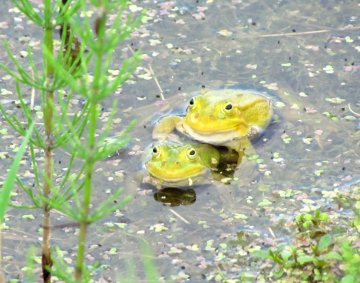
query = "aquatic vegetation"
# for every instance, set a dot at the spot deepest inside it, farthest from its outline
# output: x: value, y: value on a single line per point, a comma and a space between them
x: 318, y: 252
x: 65, y: 73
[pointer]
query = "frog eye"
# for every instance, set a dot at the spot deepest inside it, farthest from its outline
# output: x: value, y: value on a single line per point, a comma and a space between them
x: 155, y: 151
x: 228, y: 106
x: 191, y: 153
x: 192, y: 101
x: 191, y: 104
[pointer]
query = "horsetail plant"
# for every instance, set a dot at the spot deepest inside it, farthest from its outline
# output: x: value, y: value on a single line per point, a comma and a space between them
x: 79, y: 68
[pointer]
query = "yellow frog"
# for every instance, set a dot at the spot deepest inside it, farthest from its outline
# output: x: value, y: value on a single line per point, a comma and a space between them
x: 176, y: 164
x: 221, y: 117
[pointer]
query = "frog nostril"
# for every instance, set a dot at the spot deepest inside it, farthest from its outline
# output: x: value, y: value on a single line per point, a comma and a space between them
x: 212, y: 117
x: 196, y: 115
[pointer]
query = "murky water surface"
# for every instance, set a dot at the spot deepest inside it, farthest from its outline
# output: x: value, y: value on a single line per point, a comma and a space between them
x: 306, y: 56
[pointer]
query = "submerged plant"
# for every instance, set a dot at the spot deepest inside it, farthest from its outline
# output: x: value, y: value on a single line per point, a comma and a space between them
x: 78, y: 69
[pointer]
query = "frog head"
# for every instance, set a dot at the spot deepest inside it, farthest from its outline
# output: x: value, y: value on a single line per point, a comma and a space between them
x: 217, y: 117
x: 177, y: 164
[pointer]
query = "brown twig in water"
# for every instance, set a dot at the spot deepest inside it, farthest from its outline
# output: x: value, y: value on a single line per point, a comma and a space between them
x: 179, y: 216
x: 153, y: 76
x: 157, y: 82
x: 300, y: 33
x: 272, y: 233
x: 352, y: 111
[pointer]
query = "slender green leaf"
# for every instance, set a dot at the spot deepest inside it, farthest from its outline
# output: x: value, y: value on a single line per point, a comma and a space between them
x: 324, y: 242
x: 111, y: 148
x: 10, y: 179
x: 62, y: 72
x: 68, y: 10
x: 27, y: 9
x: 149, y: 264
x: 35, y: 166
x: 106, y: 210
x: 24, y: 206
x: 22, y: 72
x: 263, y: 254
x: 29, y: 192
x: 127, y: 69
x: 60, y: 269
x: 30, y: 265
x: 348, y: 279
x: 332, y: 256
x: 11, y: 72
x: 279, y: 273
x: 305, y: 259
x: 28, y: 114
x: 109, y: 123
x: 13, y: 121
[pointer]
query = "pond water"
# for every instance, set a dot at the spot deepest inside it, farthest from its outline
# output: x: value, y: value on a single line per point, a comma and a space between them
x: 305, y: 56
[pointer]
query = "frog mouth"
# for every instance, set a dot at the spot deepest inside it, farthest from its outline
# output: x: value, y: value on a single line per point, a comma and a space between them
x: 158, y: 177
x: 181, y: 182
x: 213, y: 125
x: 176, y: 179
x: 216, y: 138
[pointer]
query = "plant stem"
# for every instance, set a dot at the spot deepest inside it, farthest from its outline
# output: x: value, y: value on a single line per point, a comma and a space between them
x: 48, y: 120
x: 86, y: 196
x: 2, y: 278
x: 46, y: 254
x: 79, y: 269
x: 84, y: 223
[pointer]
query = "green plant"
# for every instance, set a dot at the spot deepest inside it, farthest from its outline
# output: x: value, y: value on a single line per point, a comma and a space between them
x: 11, y: 177
x: 149, y: 268
x: 351, y: 263
x: 315, y: 255
x: 65, y: 75
x: 309, y: 261
x: 356, y: 221
x: 314, y: 225
x: 149, y: 265
x: 9, y: 182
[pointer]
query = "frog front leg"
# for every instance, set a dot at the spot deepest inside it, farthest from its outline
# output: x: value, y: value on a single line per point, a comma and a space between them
x: 165, y: 126
x: 242, y: 146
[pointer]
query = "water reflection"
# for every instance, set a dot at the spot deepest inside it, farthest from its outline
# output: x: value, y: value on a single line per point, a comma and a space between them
x: 175, y: 196
x: 229, y: 161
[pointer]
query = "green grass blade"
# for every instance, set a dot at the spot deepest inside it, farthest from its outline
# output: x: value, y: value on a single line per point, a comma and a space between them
x: 11, y: 177
x: 149, y: 263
